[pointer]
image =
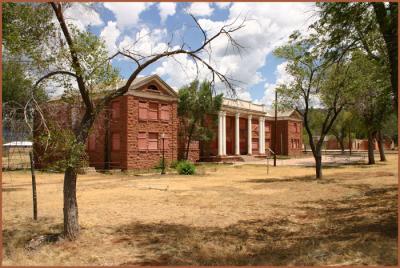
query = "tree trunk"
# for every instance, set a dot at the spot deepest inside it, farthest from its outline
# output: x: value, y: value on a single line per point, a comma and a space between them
x: 71, y: 224
x: 380, y: 146
x: 341, y: 143
x: 189, y: 140
x: 371, y: 145
x: 318, y: 166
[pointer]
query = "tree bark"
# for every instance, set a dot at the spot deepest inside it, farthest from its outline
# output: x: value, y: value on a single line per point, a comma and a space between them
x: 371, y: 158
x: 380, y: 146
x: 189, y: 140
x: 341, y: 143
x: 318, y: 166
x: 71, y: 224
x: 388, y: 27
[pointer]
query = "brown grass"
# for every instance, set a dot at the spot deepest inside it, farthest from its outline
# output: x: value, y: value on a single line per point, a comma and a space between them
x: 226, y: 215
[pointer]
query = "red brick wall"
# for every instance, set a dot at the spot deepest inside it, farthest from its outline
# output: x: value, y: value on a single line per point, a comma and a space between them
x: 135, y: 158
x: 285, y: 134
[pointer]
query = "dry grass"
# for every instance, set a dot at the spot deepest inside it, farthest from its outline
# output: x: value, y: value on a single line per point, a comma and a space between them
x: 226, y: 215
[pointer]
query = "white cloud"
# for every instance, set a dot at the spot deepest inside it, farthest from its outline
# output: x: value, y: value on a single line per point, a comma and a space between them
x: 180, y: 71
x: 82, y: 16
x: 145, y: 42
x: 223, y: 5
x: 200, y: 9
x: 268, y: 25
x: 166, y: 9
x: 127, y: 14
x: 110, y: 34
x: 282, y: 77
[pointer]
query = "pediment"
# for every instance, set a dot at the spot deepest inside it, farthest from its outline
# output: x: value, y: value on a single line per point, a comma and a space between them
x: 153, y: 85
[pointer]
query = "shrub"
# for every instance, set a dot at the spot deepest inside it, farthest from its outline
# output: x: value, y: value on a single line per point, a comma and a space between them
x: 185, y: 168
x: 174, y: 164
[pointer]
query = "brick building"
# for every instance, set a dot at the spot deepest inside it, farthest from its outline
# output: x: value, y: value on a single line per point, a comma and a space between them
x: 245, y: 128
x: 128, y: 134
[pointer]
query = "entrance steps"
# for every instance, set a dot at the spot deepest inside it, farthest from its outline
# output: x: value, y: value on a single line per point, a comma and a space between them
x: 253, y: 158
x: 234, y: 158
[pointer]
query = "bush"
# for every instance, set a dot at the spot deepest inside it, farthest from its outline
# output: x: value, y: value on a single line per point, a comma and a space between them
x: 185, y: 168
x: 173, y: 164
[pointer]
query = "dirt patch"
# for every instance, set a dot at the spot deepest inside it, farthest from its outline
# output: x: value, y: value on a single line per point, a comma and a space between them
x: 226, y: 216
x: 334, y: 231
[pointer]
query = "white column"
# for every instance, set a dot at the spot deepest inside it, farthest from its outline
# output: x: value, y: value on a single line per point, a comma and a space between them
x: 249, y: 137
x: 219, y: 133
x: 237, y: 138
x: 261, y: 138
x: 223, y: 133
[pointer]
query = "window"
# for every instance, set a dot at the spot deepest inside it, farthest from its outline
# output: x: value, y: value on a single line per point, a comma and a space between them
x: 92, y: 142
x: 115, y: 110
x: 153, y: 111
x: 152, y: 87
x: 165, y: 112
x: 267, y: 128
x: 295, y: 128
x: 142, y: 110
x: 152, y: 141
x: 142, y: 141
x: 115, y: 142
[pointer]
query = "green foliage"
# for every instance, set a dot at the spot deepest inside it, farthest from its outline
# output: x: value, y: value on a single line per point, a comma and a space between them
x: 61, y: 149
x: 185, y: 168
x: 17, y: 86
x: 26, y: 27
x: 174, y: 163
x: 371, y: 92
x: 198, y: 110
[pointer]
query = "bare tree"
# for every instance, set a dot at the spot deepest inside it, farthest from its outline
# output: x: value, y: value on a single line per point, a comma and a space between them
x: 93, y: 106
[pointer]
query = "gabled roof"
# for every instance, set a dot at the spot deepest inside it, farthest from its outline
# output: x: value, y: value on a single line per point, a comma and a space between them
x: 140, y: 81
x: 287, y: 113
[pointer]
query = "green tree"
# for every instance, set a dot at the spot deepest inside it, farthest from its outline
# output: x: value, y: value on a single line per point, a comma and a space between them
x: 372, y: 98
x: 316, y: 82
x: 369, y: 26
x: 17, y: 85
x: 196, y: 106
x: 341, y: 129
x: 78, y: 61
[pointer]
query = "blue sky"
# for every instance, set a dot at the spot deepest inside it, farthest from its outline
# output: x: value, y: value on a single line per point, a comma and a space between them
x: 267, y: 26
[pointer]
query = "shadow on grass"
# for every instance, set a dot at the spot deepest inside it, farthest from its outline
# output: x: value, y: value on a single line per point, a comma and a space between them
x: 333, y: 178
x: 307, y: 178
x: 30, y: 234
x: 354, y: 231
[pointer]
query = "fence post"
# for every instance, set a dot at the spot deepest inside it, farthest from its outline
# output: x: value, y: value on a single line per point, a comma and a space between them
x: 33, y: 187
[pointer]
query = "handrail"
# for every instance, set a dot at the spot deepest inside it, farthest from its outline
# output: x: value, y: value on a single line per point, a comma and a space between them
x: 269, y: 149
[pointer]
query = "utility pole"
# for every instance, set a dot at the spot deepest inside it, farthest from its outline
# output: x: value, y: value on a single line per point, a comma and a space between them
x: 276, y: 125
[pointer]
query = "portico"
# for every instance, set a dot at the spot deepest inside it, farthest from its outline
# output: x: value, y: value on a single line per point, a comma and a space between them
x: 248, y: 128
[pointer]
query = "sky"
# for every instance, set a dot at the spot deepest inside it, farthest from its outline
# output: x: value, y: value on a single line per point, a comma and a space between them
x: 147, y: 27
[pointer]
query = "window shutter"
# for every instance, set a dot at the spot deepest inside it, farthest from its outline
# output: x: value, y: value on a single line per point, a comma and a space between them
x: 142, y: 141
x: 153, y: 141
x: 153, y: 111
x: 142, y: 110
x: 165, y: 112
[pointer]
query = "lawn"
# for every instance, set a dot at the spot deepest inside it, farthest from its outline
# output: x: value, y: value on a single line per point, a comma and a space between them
x: 225, y: 215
